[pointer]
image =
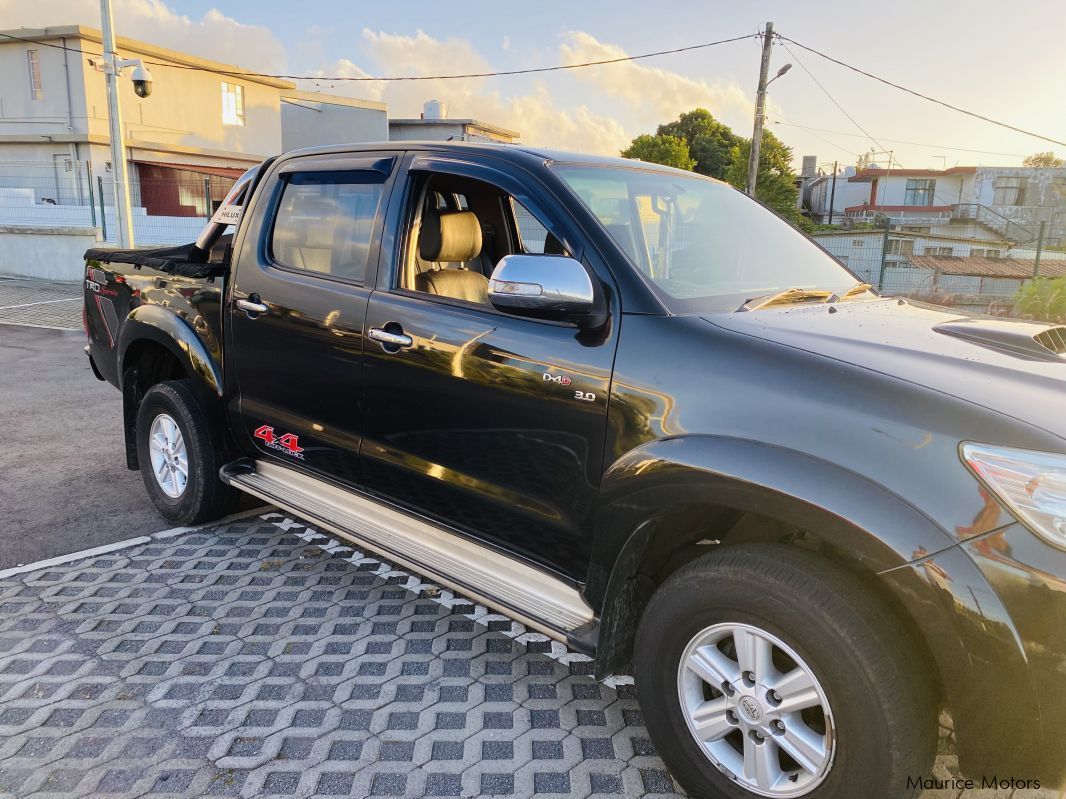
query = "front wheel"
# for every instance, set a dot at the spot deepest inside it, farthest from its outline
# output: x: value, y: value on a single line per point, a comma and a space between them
x: 764, y: 671
x: 178, y: 452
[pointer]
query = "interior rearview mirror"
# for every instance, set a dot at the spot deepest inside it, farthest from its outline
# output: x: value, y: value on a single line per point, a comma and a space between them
x: 545, y: 287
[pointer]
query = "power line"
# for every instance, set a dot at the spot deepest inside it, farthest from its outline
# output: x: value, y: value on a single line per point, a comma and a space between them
x: 809, y: 129
x: 923, y: 96
x: 843, y: 110
x: 371, y: 78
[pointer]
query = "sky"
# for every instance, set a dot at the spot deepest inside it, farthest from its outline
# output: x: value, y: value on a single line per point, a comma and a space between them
x: 1002, y: 60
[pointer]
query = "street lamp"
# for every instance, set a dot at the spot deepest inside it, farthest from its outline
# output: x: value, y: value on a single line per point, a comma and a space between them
x: 760, y: 105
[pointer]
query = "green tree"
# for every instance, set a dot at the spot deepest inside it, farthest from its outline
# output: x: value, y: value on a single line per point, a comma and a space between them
x: 1043, y: 299
x: 710, y: 142
x: 660, y: 149
x: 775, y: 185
x: 1047, y: 159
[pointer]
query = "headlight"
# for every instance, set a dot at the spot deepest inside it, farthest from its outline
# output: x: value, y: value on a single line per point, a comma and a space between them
x: 1031, y: 484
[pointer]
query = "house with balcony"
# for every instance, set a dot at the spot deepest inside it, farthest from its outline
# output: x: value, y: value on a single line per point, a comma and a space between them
x: 975, y: 202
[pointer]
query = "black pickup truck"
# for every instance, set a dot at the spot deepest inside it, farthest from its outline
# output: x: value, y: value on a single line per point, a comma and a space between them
x: 632, y: 408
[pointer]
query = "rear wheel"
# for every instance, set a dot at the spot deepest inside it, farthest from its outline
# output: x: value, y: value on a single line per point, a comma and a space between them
x: 764, y: 671
x: 179, y: 453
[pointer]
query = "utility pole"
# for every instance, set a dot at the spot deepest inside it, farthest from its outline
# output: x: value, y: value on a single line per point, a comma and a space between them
x: 833, y: 193
x: 760, y: 104
x: 118, y: 142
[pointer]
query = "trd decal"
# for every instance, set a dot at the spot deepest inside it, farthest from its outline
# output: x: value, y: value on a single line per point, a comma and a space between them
x: 288, y: 443
x: 562, y: 380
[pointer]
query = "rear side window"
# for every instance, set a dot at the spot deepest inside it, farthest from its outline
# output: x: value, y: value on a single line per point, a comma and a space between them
x: 325, y: 222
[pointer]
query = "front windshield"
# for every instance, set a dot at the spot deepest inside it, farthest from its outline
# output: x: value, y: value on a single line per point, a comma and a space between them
x: 704, y: 245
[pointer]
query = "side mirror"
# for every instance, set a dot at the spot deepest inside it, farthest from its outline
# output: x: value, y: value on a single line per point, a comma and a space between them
x: 546, y: 287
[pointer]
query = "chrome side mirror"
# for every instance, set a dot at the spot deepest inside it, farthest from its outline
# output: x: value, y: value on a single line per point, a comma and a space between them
x: 542, y: 286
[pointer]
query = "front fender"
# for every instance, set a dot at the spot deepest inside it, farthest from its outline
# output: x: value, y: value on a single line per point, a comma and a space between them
x: 158, y: 324
x: 969, y: 636
x: 879, y: 529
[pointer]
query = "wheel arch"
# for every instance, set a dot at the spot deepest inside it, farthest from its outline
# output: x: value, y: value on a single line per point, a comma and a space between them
x: 154, y: 345
x: 666, y: 502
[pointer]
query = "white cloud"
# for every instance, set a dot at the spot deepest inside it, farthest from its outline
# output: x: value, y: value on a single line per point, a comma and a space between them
x: 654, y: 95
x: 535, y: 114
x: 212, y: 36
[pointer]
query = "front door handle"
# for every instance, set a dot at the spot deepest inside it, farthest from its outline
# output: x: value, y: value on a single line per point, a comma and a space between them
x: 392, y: 337
x: 252, y: 306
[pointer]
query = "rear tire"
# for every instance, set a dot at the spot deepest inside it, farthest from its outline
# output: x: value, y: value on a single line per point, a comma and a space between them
x: 179, y: 454
x: 870, y: 717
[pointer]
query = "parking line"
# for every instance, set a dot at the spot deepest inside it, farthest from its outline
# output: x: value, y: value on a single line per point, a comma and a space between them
x: 41, y: 302
x: 124, y: 544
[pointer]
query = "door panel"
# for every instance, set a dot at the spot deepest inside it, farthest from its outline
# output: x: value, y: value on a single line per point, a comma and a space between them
x: 309, y: 258
x: 478, y: 423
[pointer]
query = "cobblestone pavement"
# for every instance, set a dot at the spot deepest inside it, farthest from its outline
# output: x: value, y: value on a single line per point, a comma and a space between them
x: 263, y: 658
x: 40, y: 303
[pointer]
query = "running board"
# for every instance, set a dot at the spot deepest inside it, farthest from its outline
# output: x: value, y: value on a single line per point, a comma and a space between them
x: 520, y: 591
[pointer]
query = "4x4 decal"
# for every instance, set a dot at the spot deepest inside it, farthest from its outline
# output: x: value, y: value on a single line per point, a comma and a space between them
x: 287, y: 443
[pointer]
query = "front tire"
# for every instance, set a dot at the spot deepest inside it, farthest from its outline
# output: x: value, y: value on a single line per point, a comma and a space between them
x: 177, y: 448
x: 765, y: 671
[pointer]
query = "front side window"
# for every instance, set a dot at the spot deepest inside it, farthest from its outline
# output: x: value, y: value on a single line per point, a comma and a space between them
x: 232, y: 103
x: 1010, y: 191
x: 325, y: 222
x: 33, y: 58
x: 702, y: 244
x: 920, y: 191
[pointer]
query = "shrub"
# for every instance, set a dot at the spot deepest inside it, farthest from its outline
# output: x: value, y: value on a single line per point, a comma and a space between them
x: 1043, y: 299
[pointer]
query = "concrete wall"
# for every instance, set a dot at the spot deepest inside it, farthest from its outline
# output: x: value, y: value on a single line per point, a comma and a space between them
x: 892, y: 190
x: 309, y: 119
x: 48, y: 253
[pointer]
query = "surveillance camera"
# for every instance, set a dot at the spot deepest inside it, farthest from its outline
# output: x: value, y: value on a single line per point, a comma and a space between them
x: 142, y: 81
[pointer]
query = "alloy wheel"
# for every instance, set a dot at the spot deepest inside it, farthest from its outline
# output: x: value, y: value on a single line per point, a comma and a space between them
x: 170, y: 460
x: 756, y: 710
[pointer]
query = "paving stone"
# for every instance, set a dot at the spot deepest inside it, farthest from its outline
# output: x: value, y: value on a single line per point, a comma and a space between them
x: 249, y: 661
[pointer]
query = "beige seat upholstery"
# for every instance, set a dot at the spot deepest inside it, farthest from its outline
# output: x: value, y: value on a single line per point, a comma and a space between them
x: 446, y: 240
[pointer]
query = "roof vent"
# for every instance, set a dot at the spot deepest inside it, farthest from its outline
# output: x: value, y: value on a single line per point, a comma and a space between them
x: 1054, y: 338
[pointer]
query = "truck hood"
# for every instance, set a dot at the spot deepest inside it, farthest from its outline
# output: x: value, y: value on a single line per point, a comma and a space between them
x: 1014, y: 368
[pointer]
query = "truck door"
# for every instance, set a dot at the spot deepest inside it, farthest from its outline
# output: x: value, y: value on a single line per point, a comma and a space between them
x: 303, y: 275
x: 492, y: 424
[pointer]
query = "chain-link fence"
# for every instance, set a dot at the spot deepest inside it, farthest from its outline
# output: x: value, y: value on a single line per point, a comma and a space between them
x: 964, y: 265
x: 169, y: 206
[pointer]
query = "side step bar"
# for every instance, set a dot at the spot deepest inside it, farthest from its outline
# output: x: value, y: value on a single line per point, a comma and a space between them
x: 529, y: 595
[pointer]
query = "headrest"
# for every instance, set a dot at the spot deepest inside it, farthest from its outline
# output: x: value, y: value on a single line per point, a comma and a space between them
x: 449, y: 236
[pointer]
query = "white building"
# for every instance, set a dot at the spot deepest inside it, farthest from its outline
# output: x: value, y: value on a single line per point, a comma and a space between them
x: 312, y: 118
x: 435, y: 125
x: 971, y: 201
x: 197, y: 121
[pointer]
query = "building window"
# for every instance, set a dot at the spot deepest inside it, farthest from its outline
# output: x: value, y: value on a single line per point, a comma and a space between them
x: 900, y: 247
x: 1010, y: 191
x: 915, y: 229
x: 939, y: 250
x: 33, y: 58
x: 985, y: 253
x: 232, y: 104
x: 920, y: 191
x: 856, y: 242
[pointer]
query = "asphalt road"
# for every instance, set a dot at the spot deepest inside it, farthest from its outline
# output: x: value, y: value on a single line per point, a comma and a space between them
x: 64, y: 485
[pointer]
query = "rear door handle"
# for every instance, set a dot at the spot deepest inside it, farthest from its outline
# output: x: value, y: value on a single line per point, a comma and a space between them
x: 391, y: 339
x: 252, y: 306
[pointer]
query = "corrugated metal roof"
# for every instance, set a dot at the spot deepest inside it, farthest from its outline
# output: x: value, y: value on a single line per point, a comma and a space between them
x: 980, y: 266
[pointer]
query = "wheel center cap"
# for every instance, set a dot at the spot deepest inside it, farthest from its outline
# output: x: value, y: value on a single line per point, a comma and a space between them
x: 750, y: 708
